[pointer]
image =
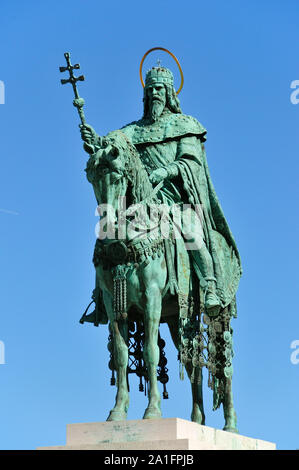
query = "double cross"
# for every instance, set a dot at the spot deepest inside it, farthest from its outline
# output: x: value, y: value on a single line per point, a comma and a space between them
x: 78, y: 102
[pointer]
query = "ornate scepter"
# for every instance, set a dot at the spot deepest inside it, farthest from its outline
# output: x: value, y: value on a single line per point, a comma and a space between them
x: 78, y: 102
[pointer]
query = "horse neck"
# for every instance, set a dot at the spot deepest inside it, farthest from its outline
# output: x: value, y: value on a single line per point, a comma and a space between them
x: 141, y: 188
x: 140, y: 194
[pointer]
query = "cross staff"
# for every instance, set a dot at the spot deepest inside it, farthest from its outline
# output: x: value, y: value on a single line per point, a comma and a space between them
x: 78, y: 102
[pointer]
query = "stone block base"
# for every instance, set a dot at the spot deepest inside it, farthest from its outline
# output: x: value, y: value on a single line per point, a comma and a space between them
x: 155, y: 434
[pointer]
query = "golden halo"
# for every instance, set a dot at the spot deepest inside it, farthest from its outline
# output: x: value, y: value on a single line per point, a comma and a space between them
x: 172, y: 55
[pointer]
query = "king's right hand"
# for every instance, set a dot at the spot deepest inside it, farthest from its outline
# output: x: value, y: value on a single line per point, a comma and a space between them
x: 88, y: 134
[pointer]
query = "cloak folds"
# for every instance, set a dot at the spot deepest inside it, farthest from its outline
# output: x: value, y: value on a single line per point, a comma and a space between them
x: 179, y: 139
x: 218, y: 236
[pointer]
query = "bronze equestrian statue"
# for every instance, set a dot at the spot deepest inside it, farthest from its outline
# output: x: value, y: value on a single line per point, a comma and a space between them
x: 164, y: 253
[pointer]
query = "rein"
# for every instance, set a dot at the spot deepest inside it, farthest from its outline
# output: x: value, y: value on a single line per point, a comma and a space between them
x: 145, y: 200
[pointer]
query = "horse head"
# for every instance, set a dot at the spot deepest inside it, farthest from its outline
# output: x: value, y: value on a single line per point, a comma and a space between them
x: 119, y: 179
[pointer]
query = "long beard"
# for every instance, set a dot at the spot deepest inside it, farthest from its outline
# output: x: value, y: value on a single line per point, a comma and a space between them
x: 156, y: 109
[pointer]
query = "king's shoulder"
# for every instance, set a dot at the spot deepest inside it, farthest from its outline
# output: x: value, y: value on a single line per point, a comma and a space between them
x: 167, y: 127
x: 187, y: 123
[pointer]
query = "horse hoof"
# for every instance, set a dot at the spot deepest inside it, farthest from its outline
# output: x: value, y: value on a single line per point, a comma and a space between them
x: 231, y: 429
x: 117, y: 416
x: 198, y: 418
x: 152, y: 413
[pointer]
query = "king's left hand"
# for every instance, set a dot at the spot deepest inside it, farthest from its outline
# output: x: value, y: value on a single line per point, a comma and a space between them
x: 158, y: 175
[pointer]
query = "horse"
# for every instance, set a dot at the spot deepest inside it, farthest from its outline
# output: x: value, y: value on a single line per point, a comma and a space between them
x: 136, y: 283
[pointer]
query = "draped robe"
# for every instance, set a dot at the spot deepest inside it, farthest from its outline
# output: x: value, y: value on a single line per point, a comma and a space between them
x: 178, y: 139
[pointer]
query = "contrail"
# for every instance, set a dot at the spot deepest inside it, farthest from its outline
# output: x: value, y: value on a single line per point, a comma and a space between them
x: 9, y: 212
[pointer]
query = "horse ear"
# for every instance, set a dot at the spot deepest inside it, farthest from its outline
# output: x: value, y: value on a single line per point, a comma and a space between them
x: 99, y: 155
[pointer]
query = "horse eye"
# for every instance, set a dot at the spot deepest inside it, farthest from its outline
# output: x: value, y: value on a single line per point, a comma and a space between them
x: 105, y: 171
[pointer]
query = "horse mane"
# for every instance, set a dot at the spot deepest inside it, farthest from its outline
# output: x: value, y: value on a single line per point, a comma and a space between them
x: 134, y: 169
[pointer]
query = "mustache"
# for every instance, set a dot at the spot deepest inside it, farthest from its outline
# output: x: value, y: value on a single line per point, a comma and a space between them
x: 156, y: 98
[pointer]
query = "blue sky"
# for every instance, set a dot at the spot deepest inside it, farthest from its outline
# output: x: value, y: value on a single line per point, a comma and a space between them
x: 239, y: 59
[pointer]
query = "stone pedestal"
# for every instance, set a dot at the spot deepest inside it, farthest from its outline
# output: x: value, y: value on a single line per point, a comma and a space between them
x: 155, y: 434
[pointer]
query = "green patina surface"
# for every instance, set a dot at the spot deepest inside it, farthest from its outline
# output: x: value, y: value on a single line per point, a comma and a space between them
x: 189, y: 282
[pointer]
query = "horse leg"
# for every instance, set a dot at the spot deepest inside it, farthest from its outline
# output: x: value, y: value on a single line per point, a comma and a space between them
x: 228, y: 408
x: 120, y: 341
x: 151, y: 349
x: 197, y: 414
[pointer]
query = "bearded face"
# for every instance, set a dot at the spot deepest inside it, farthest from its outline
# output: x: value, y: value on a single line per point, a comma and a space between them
x: 156, y: 99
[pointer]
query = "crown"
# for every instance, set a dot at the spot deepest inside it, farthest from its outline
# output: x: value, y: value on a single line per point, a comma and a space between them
x: 159, y: 75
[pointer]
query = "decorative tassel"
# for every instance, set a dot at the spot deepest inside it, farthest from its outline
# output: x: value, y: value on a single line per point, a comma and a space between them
x: 193, y: 375
x: 112, y: 381
x: 120, y: 291
x: 199, y: 379
x: 141, y: 387
x: 181, y: 371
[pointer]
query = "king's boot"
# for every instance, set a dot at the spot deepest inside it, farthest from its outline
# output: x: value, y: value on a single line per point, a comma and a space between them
x: 212, y: 302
